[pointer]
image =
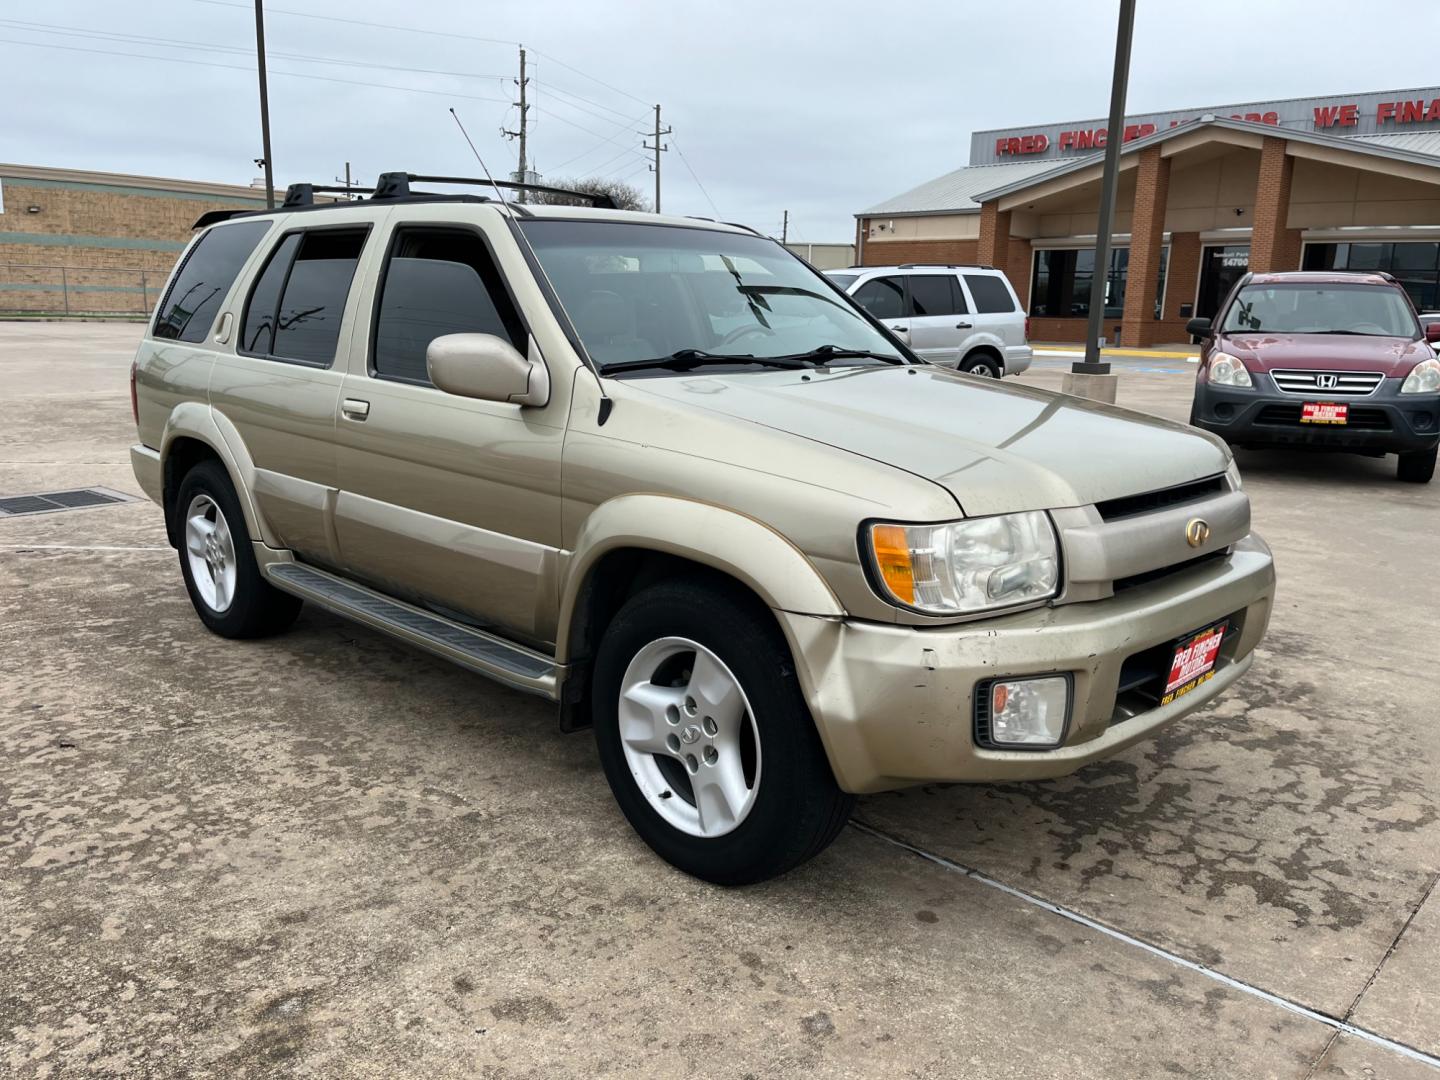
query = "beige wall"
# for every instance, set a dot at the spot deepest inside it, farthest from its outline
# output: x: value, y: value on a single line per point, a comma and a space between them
x: 1324, y: 196
x: 934, y: 227
x: 1205, y: 194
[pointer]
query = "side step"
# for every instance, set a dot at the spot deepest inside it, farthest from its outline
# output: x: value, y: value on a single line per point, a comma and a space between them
x: 484, y: 653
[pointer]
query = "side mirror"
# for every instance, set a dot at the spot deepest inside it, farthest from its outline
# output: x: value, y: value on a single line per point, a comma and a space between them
x: 1432, y: 332
x: 486, y: 367
x: 1198, y: 327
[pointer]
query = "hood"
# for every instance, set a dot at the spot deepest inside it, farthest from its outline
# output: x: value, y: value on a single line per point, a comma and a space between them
x: 996, y: 448
x: 1326, y: 352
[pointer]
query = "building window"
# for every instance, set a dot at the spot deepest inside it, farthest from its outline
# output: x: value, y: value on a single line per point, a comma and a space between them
x: 1416, y: 265
x: 1060, y: 287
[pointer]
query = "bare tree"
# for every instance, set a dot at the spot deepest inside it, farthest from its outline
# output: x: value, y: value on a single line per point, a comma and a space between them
x: 625, y: 196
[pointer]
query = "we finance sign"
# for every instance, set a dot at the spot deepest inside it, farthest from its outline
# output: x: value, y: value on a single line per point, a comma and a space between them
x: 1357, y: 114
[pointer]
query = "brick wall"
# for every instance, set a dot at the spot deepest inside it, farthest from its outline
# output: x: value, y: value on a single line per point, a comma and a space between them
x: 116, y: 246
x: 1272, y: 245
x: 895, y: 252
x: 1147, y: 226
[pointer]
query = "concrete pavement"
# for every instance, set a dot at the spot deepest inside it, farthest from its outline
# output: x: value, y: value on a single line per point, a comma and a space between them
x: 327, y: 855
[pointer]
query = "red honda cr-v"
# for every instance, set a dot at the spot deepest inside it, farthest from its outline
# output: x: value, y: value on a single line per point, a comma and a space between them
x: 1327, y: 360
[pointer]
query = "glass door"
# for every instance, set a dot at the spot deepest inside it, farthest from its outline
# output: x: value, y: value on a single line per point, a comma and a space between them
x: 1220, y: 268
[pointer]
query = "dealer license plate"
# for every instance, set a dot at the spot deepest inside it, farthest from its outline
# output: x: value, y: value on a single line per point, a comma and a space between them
x: 1194, y: 662
x: 1325, y: 412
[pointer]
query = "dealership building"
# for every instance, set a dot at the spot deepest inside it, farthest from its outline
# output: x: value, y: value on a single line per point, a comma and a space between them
x: 1342, y: 182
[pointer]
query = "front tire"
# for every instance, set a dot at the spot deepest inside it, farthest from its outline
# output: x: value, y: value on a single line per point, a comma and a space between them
x: 981, y: 364
x: 706, y: 739
x: 225, y: 585
x: 1418, y: 467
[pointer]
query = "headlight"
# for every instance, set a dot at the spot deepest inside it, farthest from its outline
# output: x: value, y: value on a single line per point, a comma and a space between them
x: 1226, y: 370
x: 966, y: 566
x: 1424, y: 379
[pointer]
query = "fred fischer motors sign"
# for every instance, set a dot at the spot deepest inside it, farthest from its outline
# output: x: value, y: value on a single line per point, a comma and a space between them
x: 1363, y: 114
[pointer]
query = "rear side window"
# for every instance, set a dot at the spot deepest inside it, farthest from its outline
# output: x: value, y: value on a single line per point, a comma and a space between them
x: 991, y: 295
x: 437, y: 282
x: 882, y: 297
x: 193, y: 300
x: 936, y: 294
x: 298, y: 302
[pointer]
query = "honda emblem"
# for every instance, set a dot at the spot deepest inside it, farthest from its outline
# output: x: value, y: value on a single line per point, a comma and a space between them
x: 1326, y: 381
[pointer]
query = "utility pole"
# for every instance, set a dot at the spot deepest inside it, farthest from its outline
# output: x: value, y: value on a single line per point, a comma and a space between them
x: 659, y: 148
x: 785, y: 227
x: 1114, y: 138
x: 264, y: 104
x: 348, y: 184
x: 523, y: 133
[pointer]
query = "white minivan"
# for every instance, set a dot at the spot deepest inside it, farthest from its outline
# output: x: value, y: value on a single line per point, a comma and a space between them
x: 965, y: 317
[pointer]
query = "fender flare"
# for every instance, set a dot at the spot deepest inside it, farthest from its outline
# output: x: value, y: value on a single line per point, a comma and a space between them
x: 725, y: 540
x: 197, y: 420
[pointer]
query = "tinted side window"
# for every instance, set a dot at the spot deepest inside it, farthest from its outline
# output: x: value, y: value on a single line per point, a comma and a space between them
x: 990, y: 294
x: 935, y: 294
x: 194, y: 298
x: 307, y: 322
x: 258, y: 333
x: 882, y: 297
x: 437, y: 282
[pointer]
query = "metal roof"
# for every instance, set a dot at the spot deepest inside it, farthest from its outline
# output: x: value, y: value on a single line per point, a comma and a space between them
x: 953, y: 193
x: 961, y: 191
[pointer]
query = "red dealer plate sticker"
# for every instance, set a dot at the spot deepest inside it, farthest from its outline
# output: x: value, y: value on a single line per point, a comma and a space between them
x: 1194, y: 662
x: 1324, y: 412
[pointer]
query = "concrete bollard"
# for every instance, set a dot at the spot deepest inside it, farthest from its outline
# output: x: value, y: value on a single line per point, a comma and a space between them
x: 1095, y: 387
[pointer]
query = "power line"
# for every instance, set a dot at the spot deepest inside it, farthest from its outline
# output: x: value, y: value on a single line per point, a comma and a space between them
x: 173, y: 43
x: 694, y: 177
x: 601, y: 144
x: 580, y: 97
x: 248, y: 70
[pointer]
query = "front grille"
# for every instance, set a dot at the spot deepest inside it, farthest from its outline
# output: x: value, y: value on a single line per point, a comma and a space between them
x: 1150, y: 501
x: 1121, y: 584
x: 1358, y: 420
x: 1345, y: 384
x: 1143, y: 675
x: 54, y: 501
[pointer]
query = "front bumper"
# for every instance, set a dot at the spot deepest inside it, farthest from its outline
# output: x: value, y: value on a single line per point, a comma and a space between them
x: 895, y: 705
x: 1386, y: 422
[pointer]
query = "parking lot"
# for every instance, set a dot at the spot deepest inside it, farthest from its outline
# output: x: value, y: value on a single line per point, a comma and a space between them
x: 327, y: 855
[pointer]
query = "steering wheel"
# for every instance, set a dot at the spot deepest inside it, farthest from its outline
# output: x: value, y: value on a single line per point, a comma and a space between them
x: 749, y: 328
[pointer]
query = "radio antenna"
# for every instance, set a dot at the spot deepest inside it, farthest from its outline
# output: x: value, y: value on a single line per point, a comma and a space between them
x: 605, y: 403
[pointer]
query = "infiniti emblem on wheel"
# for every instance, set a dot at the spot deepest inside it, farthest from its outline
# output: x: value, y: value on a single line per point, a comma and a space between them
x: 1197, y: 532
x: 1326, y: 381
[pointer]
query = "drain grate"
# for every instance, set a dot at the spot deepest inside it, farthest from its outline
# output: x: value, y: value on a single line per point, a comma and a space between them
x: 51, y: 502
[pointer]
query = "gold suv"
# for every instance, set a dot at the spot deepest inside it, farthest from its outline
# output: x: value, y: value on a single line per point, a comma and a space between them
x: 661, y: 472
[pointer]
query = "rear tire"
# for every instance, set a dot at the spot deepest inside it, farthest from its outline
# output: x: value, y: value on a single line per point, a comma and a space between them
x: 981, y: 364
x: 1418, y: 467
x: 675, y: 654
x: 225, y: 585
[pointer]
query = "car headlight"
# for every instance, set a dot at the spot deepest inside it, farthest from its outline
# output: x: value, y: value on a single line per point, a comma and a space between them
x: 1423, y: 379
x: 961, y: 567
x: 1226, y: 370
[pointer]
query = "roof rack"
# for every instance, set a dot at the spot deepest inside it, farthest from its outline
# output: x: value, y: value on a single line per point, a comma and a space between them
x: 945, y: 266
x: 396, y: 185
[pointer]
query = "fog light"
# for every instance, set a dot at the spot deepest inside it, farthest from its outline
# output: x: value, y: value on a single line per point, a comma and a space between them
x: 1029, y: 712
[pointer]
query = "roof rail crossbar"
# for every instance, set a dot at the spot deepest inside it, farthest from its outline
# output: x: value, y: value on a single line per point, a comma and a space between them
x: 397, y: 185
x: 304, y: 194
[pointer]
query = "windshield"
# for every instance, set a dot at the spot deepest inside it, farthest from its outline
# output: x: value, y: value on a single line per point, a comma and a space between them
x: 639, y: 292
x: 1321, y: 309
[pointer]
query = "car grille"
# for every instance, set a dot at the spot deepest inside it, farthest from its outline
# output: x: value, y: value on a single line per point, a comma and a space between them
x: 1289, y: 416
x: 1113, y: 509
x: 1347, y: 383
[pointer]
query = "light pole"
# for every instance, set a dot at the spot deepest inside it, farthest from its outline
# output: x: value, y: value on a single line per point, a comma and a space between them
x: 1114, y: 139
x: 264, y: 103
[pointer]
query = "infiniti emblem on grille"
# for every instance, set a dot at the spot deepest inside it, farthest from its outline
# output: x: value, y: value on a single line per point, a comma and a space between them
x: 1326, y: 381
x: 1197, y: 532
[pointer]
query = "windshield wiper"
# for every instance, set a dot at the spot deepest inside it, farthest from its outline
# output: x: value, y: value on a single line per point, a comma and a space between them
x: 823, y: 354
x: 689, y: 359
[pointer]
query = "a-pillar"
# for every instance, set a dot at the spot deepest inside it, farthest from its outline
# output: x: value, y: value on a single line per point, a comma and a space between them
x: 1272, y: 245
x: 1147, y: 228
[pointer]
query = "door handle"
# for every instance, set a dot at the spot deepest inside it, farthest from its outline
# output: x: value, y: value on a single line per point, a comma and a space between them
x: 964, y: 326
x: 900, y: 329
x: 354, y: 409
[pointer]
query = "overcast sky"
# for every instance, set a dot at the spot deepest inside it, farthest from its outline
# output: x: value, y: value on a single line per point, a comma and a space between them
x: 821, y: 108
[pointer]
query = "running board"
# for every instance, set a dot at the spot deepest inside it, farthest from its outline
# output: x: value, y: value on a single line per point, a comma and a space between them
x: 474, y: 649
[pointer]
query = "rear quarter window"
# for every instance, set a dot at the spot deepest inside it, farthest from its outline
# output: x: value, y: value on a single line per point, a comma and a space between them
x: 991, y: 294
x: 191, y: 303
